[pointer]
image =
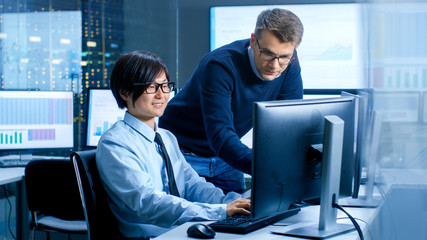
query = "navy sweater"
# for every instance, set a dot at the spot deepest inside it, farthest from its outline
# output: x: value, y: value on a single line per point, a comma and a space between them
x: 214, y: 108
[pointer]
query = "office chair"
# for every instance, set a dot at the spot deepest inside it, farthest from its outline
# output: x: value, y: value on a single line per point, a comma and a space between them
x: 53, y: 198
x: 100, y: 221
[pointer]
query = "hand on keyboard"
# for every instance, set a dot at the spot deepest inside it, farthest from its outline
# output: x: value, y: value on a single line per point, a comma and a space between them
x: 239, y: 206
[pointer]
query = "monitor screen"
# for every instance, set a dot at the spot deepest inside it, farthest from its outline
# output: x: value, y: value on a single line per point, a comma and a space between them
x: 331, y: 50
x: 103, y: 112
x: 287, y: 138
x: 36, y: 120
x: 424, y: 107
x: 397, y: 106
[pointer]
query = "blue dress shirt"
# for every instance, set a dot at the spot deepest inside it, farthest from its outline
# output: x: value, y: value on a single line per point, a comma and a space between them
x: 134, y: 176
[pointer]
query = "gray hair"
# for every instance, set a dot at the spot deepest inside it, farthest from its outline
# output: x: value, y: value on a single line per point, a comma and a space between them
x: 284, y: 24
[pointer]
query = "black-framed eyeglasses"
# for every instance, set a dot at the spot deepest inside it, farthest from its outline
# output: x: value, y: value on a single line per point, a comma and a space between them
x: 269, y: 57
x: 152, y: 88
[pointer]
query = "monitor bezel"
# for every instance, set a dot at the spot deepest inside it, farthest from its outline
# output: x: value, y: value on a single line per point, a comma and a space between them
x: 314, y: 185
x: 89, y: 113
x: 35, y: 150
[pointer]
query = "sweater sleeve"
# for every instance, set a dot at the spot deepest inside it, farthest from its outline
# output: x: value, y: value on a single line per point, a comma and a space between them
x: 215, y: 98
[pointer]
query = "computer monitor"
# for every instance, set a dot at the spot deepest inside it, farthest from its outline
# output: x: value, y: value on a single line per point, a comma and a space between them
x: 368, y: 127
x: 332, y: 61
x: 103, y: 112
x: 36, y: 120
x: 287, y: 136
x: 363, y: 119
x: 424, y: 107
x: 397, y: 106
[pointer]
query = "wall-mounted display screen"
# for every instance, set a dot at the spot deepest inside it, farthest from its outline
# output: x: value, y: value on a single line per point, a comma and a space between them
x: 332, y: 46
x: 397, y: 106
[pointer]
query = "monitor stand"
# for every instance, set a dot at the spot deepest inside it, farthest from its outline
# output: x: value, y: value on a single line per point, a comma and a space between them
x: 331, y: 170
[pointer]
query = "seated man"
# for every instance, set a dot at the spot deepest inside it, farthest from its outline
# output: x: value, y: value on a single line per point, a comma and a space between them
x: 150, y: 185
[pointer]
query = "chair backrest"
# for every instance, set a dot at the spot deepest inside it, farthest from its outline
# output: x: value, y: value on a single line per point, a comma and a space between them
x: 52, y: 189
x: 101, y: 222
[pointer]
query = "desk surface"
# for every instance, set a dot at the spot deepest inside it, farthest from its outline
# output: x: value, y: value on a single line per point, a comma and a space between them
x: 16, y: 175
x: 307, y: 216
x: 407, y: 178
x: 10, y: 175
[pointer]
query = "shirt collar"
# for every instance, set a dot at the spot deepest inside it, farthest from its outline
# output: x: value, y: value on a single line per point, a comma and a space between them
x: 139, y: 126
x: 252, y: 61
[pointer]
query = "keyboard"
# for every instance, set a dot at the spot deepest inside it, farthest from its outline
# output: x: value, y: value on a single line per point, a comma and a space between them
x: 14, y: 163
x: 245, y: 224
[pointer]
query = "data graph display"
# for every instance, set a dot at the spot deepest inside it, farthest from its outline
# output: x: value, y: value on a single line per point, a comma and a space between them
x: 103, y: 112
x: 331, y: 51
x: 36, y: 119
x: 398, y: 77
x: 397, y: 106
x: 28, y: 111
x: 11, y: 137
x: 101, y: 128
x: 399, y: 52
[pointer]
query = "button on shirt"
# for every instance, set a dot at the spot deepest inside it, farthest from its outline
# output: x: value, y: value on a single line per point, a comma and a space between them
x: 134, y: 176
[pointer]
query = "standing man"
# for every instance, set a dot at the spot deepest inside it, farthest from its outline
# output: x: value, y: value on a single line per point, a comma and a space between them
x: 214, y: 108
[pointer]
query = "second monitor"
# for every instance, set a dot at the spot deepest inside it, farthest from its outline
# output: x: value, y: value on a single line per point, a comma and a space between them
x: 103, y: 112
x: 287, y: 166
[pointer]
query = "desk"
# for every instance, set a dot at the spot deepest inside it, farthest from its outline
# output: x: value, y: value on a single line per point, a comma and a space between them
x: 401, y: 215
x: 16, y: 176
x: 307, y: 216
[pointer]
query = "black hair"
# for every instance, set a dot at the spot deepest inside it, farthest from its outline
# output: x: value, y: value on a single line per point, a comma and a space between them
x: 135, y: 67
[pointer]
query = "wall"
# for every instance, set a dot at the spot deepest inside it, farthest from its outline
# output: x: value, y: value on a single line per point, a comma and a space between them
x: 152, y: 26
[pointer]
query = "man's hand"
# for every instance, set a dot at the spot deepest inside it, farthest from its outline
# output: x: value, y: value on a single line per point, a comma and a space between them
x: 239, y: 206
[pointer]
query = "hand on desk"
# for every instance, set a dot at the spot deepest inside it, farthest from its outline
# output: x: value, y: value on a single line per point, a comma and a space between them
x: 239, y: 206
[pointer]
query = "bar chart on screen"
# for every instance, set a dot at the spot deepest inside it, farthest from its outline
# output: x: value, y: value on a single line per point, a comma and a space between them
x: 103, y: 112
x: 401, y: 77
x: 16, y: 136
x: 399, y: 55
x: 11, y: 136
x: 36, y: 119
x: 102, y: 126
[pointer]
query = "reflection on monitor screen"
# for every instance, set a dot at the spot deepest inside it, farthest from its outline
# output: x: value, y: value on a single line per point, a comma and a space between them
x: 103, y: 112
x: 286, y: 166
x: 397, y: 106
x: 36, y: 120
x: 331, y: 50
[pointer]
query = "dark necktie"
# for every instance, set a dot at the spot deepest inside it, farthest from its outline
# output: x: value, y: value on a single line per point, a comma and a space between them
x: 172, y: 184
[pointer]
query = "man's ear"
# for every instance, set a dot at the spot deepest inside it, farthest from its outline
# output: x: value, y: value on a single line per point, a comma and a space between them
x: 124, y: 95
x: 252, y: 41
